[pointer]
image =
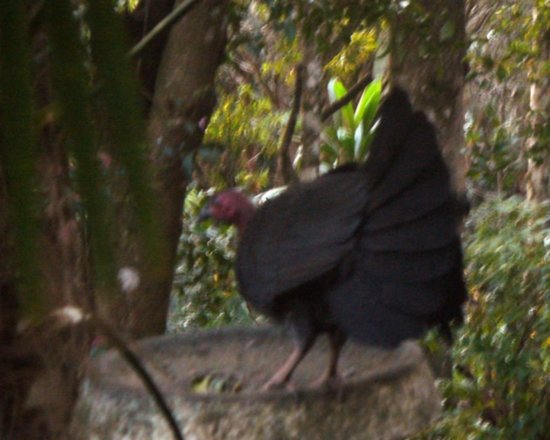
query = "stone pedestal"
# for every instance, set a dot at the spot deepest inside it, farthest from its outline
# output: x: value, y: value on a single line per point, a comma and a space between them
x: 212, y: 382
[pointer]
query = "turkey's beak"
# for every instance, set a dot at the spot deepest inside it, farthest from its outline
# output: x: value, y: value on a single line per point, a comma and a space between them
x: 205, y: 213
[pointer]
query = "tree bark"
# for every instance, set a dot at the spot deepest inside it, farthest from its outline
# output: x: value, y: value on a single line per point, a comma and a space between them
x: 139, y: 22
x: 183, y: 101
x: 538, y: 145
x: 428, y: 45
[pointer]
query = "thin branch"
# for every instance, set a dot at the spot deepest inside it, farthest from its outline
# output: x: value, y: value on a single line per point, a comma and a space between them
x: 286, y: 166
x: 352, y: 93
x: 140, y: 370
x: 163, y: 25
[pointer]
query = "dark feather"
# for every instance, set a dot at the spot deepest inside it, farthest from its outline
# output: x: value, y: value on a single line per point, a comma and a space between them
x: 300, y: 235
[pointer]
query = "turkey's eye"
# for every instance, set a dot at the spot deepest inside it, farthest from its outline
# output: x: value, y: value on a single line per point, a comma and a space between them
x: 227, y: 210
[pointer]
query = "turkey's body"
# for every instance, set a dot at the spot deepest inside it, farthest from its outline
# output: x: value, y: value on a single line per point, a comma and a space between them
x: 370, y: 252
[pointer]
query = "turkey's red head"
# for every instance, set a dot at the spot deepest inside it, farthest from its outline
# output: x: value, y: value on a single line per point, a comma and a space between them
x: 230, y: 206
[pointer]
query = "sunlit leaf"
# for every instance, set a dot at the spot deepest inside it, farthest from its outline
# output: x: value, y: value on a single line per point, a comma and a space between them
x: 359, y: 143
x: 337, y: 91
x: 345, y: 138
x: 368, y: 103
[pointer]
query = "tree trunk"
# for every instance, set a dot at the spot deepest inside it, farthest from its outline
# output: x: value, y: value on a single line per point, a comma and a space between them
x: 183, y: 101
x: 139, y: 23
x: 428, y: 46
x: 538, y: 144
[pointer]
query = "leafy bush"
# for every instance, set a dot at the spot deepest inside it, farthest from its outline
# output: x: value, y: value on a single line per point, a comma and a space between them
x: 495, y: 162
x: 358, y: 52
x: 205, y: 292
x: 241, y: 141
x: 500, y: 388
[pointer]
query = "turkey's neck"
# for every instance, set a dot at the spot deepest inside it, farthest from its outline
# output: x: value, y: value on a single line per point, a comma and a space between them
x: 246, y: 213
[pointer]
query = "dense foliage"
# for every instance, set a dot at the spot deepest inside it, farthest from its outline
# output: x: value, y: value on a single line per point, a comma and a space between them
x: 204, y: 284
x: 236, y: 153
x: 501, y: 378
x: 506, y: 59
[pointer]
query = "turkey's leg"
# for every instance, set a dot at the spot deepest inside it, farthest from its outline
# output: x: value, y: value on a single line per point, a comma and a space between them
x: 283, y: 374
x: 336, y: 340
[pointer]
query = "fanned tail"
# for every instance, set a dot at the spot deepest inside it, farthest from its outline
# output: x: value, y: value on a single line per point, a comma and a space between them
x: 409, y: 273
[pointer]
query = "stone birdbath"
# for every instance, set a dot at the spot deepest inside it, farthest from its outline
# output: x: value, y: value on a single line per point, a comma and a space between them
x: 212, y: 382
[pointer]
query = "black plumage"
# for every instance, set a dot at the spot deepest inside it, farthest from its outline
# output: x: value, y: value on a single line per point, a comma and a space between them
x: 369, y: 251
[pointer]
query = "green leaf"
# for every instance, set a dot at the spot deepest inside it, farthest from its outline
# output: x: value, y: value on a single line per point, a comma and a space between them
x: 330, y: 137
x: 342, y: 134
x: 368, y: 104
x: 298, y: 160
x: 329, y: 153
x: 359, y: 143
x: 337, y: 90
x: 368, y: 140
x: 345, y: 138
